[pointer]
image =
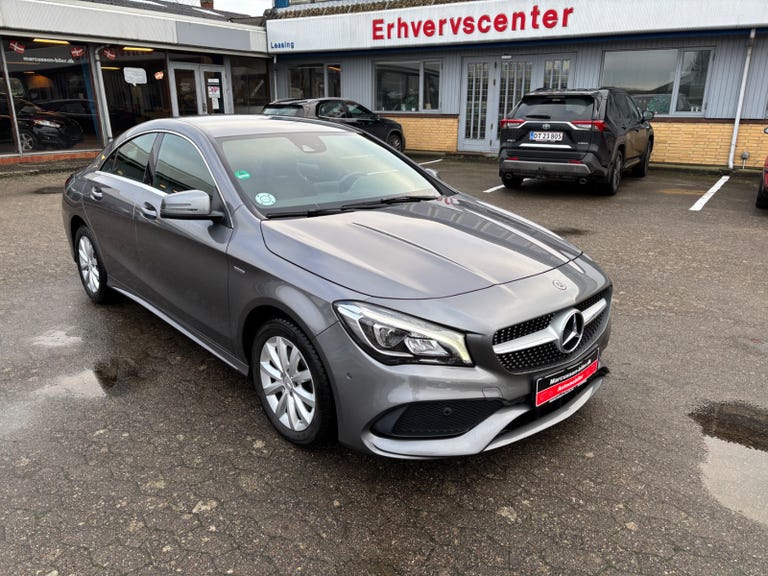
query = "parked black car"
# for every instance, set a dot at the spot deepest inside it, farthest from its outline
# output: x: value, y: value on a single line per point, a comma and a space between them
x: 344, y: 112
x: 583, y: 135
x: 37, y: 127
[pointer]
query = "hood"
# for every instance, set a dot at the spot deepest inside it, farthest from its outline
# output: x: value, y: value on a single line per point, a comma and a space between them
x: 428, y: 249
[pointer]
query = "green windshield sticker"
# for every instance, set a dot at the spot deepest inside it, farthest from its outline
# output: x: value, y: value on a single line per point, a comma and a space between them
x: 242, y: 174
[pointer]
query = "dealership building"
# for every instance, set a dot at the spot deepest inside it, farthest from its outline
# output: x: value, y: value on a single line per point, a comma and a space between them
x: 450, y: 71
x: 74, y: 73
x: 447, y: 71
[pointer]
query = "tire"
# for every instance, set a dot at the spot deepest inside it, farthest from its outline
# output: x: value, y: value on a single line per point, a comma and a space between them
x: 642, y: 169
x: 292, y: 384
x: 511, y: 181
x: 395, y: 140
x: 90, y: 267
x: 614, y: 175
x: 28, y: 141
x: 762, y: 194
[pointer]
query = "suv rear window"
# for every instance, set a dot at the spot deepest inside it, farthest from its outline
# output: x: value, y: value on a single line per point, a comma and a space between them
x: 283, y: 110
x: 555, y: 108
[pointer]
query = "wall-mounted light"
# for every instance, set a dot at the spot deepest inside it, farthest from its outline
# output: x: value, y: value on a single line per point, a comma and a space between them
x: 110, y: 68
x: 159, y: 75
x: 137, y: 49
x: 49, y: 41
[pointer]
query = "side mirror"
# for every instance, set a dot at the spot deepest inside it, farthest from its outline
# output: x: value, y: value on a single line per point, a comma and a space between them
x: 432, y: 173
x: 648, y: 115
x: 188, y: 205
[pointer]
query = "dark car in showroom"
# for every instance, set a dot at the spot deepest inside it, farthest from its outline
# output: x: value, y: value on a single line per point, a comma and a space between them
x: 343, y: 112
x: 38, y: 128
x: 367, y: 300
x: 582, y: 135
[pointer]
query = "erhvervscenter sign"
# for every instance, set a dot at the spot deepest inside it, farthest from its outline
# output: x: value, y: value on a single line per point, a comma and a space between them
x: 507, y: 21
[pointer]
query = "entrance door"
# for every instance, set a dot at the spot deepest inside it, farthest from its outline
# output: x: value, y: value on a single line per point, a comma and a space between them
x: 198, y: 89
x: 491, y: 88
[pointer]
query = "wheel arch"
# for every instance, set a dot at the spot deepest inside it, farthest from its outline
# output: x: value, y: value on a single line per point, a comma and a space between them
x: 75, y: 223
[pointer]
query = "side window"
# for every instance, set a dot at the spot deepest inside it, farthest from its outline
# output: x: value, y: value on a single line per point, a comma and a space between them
x: 181, y: 167
x: 355, y: 110
x: 634, y: 111
x: 333, y: 109
x: 131, y: 159
x: 612, y: 110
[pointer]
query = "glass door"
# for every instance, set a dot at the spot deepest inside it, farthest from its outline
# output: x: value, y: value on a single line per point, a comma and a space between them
x: 474, y: 123
x: 198, y: 89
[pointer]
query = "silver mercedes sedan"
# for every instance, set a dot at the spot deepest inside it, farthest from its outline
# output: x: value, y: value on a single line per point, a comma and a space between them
x: 367, y: 300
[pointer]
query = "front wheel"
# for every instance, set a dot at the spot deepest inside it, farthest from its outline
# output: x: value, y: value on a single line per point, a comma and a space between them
x: 395, y: 140
x: 642, y: 169
x: 28, y: 141
x: 291, y: 383
x: 93, y: 275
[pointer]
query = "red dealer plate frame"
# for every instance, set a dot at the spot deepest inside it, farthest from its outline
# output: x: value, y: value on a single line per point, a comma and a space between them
x: 549, y: 388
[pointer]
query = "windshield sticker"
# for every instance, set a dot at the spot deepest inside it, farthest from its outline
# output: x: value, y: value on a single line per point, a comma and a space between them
x: 265, y: 199
x: 242, y: 175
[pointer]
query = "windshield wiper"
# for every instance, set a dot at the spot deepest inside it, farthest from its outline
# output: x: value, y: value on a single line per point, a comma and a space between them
x: 304, y: 213
x: 379, y: 202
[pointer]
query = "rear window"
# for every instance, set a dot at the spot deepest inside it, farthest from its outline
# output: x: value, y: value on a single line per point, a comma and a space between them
x: 283, y: 110
x: 567, y: 108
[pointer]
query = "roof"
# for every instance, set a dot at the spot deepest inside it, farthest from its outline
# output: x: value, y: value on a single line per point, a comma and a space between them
x: 171, y: 7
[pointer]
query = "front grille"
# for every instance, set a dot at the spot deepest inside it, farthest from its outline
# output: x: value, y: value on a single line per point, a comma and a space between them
x: 435, y: 419
x: 548, y: 354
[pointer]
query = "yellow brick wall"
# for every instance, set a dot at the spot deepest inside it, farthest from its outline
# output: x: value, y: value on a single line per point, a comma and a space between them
x: 708, y: 143
x: 439, y: 134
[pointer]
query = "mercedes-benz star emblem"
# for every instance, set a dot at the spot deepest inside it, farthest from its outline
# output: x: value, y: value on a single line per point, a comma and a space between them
x: 573, y: 330
x: 559, y: 285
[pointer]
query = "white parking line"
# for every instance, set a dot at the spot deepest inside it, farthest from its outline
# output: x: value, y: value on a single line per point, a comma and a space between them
x: 430, y: 162
x: 711, y: 192
x: 493, y: 189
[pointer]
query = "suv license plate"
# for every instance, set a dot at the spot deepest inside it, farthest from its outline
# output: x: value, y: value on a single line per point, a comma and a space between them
x: 555, y: 385
x: 546, y: 136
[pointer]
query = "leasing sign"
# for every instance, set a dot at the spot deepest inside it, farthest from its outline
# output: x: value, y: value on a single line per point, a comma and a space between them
x: 506, y: 21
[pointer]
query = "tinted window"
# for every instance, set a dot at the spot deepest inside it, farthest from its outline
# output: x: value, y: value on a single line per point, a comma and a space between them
x: 332, y: 109
x: 131, y: 159
x: 556, y: 108
x: 283, y: 110
x: 181, y: 167
x: 355, y: 110
x: 632, y: 112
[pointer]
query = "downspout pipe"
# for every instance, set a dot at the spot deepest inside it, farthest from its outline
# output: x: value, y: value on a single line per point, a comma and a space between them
x: 740, y: 105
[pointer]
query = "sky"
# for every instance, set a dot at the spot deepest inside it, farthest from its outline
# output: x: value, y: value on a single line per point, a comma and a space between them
x: 251, y: 7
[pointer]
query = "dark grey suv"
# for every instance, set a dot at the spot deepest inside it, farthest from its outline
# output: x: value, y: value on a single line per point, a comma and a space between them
x: 582, y: 135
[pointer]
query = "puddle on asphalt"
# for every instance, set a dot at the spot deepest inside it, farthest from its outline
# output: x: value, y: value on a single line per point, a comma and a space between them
x: 736, y: 470
x: 568, y: 231
x: 96, y: 383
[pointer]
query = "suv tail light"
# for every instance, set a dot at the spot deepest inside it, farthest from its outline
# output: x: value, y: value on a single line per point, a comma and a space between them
x: 598, y: 125
x: 511, y: 122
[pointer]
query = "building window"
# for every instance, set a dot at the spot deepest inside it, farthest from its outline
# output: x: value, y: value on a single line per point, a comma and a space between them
x: 51, y: 94
x: 663, y: 81
x: 250, y: 84
x: 315, y: 81
x: 556, y: 74
x: 410, y: 86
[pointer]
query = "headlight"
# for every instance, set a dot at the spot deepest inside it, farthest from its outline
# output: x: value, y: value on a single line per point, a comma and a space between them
x: 395, y: 338
x: 49, y: 123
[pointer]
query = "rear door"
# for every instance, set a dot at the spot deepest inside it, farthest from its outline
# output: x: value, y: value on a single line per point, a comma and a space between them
x: 637, y: 129
x: 556, y: 127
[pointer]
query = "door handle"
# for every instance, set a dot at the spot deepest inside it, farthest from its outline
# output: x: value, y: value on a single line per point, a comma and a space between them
x: 149, y: 211
x: 96, y: 193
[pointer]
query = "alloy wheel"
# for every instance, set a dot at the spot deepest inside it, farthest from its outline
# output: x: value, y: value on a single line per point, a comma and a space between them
x: 287, y: 383
x: 89, y: 264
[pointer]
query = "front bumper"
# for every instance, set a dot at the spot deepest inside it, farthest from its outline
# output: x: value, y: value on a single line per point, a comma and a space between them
x: 366, y: 391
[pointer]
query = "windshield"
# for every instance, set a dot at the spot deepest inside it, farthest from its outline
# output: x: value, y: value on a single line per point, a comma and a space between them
x: 283, y: 110
x: 566, y: 108
x: 286, y: 173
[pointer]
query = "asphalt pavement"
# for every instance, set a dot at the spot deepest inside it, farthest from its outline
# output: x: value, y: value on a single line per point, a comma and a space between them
x: 127, y: 449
